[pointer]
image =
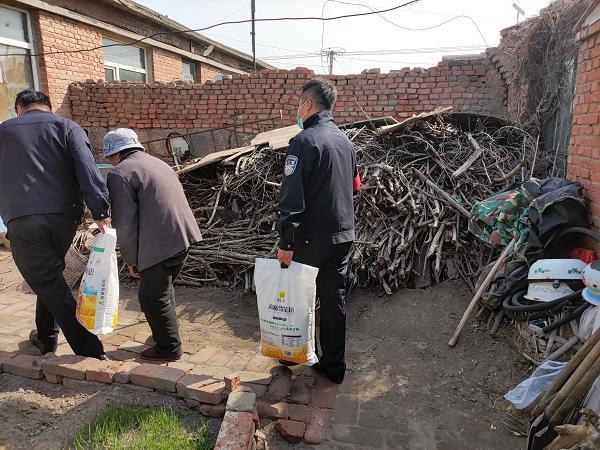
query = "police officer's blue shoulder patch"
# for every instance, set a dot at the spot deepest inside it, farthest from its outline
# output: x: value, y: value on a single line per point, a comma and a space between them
x: 291, y: 162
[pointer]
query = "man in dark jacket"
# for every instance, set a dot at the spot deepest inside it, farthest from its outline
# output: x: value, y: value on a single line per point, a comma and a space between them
x: 155, y: 229
x: 46, y: 170
x: 316, y: 210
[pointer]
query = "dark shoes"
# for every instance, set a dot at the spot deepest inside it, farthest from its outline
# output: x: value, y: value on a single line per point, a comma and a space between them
x: 336, y: 376
x: 287, y: 363
x: 154, y: 353
x: 103, y: 357
x: 44, y: 346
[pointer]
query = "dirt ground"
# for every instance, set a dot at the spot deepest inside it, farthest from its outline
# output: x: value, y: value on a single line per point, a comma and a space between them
x: 39, y: 415
x: 404, y: 388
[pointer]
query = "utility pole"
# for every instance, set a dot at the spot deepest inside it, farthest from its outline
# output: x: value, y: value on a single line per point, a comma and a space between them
x: 330, y: 54
x: 253, y: 10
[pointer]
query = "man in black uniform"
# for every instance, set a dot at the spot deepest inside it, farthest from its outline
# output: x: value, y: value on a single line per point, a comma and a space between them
x: 316, y: 209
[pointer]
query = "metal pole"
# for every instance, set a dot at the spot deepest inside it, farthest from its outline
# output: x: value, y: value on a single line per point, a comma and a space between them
x: 330, y: 53
x: 253, y: 10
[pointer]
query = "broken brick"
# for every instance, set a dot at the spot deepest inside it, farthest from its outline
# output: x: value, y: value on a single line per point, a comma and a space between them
x: 291, y: 430
x: 232, y: 382
x: 279, y: 389
x: 211, y: 410
x: 302, y: 389
x: 237, y: 431
x: 192, y: 386
x: 122, y: 375
x: 318, y: 426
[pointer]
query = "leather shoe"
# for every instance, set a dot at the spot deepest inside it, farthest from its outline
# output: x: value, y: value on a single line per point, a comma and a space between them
x: 337, y: 378
x: 285, y: 363
x: 154, y: 353
x: 45, y: 347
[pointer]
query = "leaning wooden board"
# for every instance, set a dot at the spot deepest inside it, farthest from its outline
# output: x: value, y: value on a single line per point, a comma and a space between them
x: 216, y: 157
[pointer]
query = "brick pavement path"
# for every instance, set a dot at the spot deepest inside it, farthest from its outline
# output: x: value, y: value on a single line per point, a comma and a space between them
x: 404, y: 389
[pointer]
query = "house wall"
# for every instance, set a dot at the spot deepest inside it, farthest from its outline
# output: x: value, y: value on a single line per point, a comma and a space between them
x: 584, y: 151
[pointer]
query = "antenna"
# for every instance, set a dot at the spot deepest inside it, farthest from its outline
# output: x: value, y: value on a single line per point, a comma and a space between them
x: 519, y: 10
x: 208, y: 50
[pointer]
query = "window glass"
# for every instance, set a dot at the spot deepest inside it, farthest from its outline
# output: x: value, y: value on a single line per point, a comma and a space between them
x: 13, y: 25
x: 109, y: 74
x: 189, y: 70
x: 125, y: 55
x: 128, y: 75
x: 15, y: 76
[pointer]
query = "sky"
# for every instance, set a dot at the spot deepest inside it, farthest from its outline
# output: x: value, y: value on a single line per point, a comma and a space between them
x: 377, y: 41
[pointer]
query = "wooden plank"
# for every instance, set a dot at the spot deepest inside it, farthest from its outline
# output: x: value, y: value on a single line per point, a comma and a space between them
x: 215, y: 157
x: 277, y: 138
x: 378, y: 122
x: 415, y: 118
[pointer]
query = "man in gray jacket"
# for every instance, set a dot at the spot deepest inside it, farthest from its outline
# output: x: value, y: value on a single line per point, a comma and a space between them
x: 155, y: 229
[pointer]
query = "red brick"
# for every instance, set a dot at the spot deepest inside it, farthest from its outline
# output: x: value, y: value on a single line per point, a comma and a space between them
x: 302, y: 389
x: 122, y: 375
x: 283, y: 410
x: 103, y: 371
x: 279, y: 389
x: 237, y: 431
x: 67, y: 366
x: 209, y: 410
x: 156, y: 377
x: 24, y: 366
x: 291, y: 430
x: 318, y: 426
x: 5, y: 356
x: 203, y: 355
x: 324, y: 394
x: 201, y: 388
x: 232, y: 381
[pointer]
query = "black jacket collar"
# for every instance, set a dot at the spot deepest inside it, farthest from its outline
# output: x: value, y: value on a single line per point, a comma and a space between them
x: 320, y: 117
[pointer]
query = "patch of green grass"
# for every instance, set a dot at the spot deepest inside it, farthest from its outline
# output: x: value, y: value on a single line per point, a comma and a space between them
x: 131, y: 427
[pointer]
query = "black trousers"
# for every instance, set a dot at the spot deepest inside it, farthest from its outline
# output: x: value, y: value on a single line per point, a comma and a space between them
x: 157, y: 300
x: 332, y: 261
x: 39, y: 244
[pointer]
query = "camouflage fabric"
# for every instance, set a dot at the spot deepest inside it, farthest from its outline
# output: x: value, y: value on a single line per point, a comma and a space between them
x: 498, y: 219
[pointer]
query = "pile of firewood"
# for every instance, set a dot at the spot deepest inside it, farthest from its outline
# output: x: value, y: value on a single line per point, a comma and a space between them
x: 420, y: 179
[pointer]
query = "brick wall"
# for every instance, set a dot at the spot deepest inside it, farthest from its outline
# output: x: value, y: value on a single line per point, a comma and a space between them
x: 207, y: 73
x: 467, y: 85
x: 166, y: 66
x: 584, y: 150
x: 54, y: 33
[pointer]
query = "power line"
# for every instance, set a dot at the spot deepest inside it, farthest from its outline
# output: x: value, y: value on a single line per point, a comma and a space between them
x: 245, y: 5
x: 408, y: 28
x: 231, y: 22
x: 406, y: 51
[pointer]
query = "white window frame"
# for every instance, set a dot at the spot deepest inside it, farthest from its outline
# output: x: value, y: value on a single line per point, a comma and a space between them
x: 116, y: 66
x: 24, y: 45
x: 193, y: 63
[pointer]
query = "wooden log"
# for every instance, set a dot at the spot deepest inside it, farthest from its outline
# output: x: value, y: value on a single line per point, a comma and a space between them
x: 505, y: 253
x: 576, y: 395
x: 443, y: 194
x: 474, y: 157
x: 591, y: 359
x: 566, y: 373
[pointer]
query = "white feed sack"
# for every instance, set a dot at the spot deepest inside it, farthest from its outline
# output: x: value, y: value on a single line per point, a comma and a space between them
x: 286, y: 309
x: 98, y: 299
